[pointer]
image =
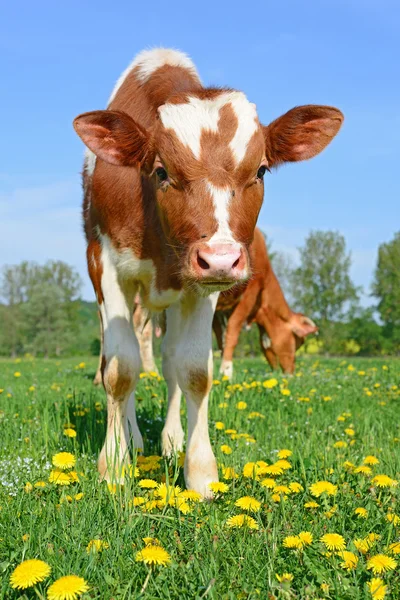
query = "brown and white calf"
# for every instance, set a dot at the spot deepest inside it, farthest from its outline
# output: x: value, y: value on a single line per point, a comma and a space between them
x: 262, y: 301
x: 173, y: 184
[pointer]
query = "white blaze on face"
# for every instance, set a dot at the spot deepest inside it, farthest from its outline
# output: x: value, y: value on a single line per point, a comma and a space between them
x: 221, y: 198
x: 189, y: 120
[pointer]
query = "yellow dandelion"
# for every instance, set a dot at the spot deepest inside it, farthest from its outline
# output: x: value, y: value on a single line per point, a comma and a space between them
x: 350, y: 560
x: 69, y: 432
x: 311, y: 504
x: 270, y: 383
x: 28, y: 487
x: 242, y: 521
x: 285, y: 577
x: 147, y: 483
x: 150, y: 541
x: 68, y: 587
x: 305, y: 537
x: 371, y: 460
x: 284, y: 453
x: 153, y: 555
x: 349, y: 431
x: 292, y: 541
x: 380, y: 563
x: 64, y: 460
x: 29, y: 573
x: 168, y: 493
x: 59, y: 477
x: 363, y: 469
x: 241, y: 405
x: 361, y: 512
x: 268, y: 483
x: 218, y: 487
x: 383, y: 481
x: 219, y: 425
x: 285, y: 392
x: 17, y: 374
x: 192, y: 495
x: 323, y: 487
x: 182, y: 505
x: 40, y: 484
x: 296, y: 487
x: 363, y: 545
x: 333, y: 541
x: 97, y: 546
x: 226, y: 449
x: 283, y: 464
x: 229, y: 473
x: 395, y: 548
x: 392, y: 518
x: 340, y: 444
x: 248, y: 503
x: 377, y: 588
x: 273, y: 470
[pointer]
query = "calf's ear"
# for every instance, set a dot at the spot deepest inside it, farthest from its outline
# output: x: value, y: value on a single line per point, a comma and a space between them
x: 114, y: 137
x: 302, y: 325
x: 301, y: 133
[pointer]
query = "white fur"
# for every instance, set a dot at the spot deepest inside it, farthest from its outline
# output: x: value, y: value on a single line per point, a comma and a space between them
x: 89, y: 162
x: 149, y: 61
x: 189, y: 120
x: 226, y: 368
x: 120, y: 347
x: 187, y: 348
x: 221, y: 198
x: 131, y: 268
x: 266, y: 342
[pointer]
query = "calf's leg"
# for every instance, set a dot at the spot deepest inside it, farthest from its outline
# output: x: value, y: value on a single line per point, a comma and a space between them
x: 189, y: 336
x: 120, y: 370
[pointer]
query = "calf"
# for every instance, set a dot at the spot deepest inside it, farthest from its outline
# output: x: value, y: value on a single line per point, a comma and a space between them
x: 173, y: 184
x: 281, y: 330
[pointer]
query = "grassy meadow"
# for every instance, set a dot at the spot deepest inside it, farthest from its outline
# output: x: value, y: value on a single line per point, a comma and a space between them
x: 309, y: 507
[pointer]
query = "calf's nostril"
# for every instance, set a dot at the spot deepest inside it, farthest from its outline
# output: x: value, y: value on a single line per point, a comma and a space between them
x: 235, y: 264
x: 202, y: 263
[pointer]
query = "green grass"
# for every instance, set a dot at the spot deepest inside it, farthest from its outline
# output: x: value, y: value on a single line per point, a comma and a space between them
x: 209, y: 559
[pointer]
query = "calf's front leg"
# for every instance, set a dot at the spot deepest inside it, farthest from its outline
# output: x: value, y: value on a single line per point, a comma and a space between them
x: 191, y: 344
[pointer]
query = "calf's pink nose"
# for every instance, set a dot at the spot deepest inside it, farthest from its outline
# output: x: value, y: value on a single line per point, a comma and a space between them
x: 218, y: 260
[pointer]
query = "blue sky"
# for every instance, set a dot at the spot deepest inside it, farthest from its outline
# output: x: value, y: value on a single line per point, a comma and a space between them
x: 60, y: 59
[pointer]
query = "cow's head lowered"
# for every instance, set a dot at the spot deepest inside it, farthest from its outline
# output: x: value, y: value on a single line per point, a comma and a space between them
x: 206, y: 156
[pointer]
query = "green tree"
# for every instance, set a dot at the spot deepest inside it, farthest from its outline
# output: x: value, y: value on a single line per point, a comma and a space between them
x: 46, y: 321
x: 19, y: 286
x: 322, y: 286
x: 386, y: 285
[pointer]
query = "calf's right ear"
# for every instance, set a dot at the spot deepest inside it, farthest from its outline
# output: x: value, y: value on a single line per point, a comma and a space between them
x: 114, y: 137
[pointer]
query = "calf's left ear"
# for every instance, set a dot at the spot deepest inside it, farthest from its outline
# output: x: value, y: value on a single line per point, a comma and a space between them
x: 114, y: 137
x: 301, y: 133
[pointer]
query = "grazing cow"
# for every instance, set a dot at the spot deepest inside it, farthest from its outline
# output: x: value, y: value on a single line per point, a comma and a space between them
x: 261, y: 300
x: 173, y: 184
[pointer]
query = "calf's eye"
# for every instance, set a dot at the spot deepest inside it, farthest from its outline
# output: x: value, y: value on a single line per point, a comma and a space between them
x: 261, y: 172
x: 162, y: 174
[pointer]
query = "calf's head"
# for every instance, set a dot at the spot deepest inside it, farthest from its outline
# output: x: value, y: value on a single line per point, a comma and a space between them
x: 206, y: 157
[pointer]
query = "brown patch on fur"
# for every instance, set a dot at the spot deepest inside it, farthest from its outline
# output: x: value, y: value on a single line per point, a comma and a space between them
x: 119, y: 378
x: 95, y: 267
x: 199, y: 382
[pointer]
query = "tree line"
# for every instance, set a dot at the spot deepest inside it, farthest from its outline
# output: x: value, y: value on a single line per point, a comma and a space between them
x: 41, y: 312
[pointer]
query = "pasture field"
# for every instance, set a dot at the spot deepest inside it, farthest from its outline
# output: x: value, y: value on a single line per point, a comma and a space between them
x: 310, y: 506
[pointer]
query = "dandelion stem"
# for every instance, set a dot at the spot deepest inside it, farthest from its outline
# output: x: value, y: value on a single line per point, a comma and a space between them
x: 146, y: 582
